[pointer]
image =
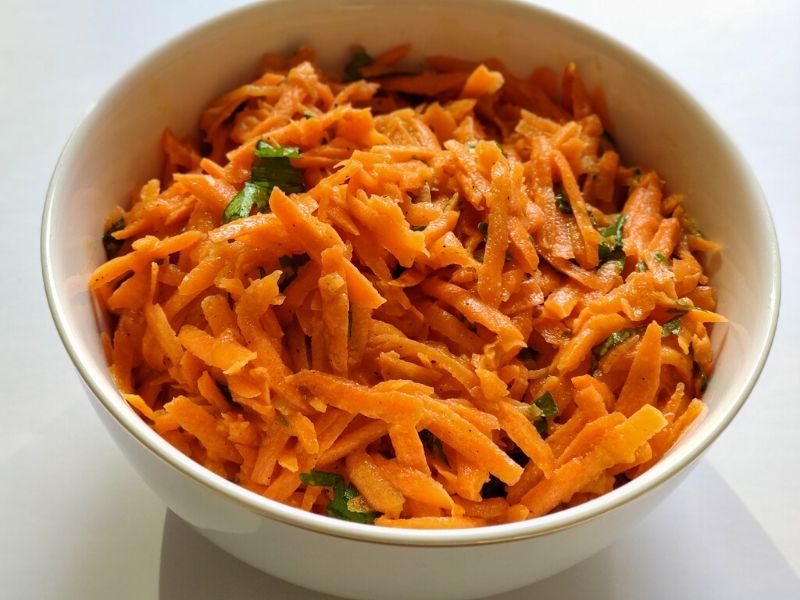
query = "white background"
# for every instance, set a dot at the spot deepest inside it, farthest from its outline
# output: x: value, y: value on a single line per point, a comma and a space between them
x: 75, y: 520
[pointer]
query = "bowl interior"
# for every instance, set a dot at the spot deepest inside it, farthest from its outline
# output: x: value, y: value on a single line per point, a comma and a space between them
x: 655, y: 123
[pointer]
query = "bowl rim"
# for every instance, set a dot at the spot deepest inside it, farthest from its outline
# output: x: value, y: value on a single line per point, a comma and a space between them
x: 264, y: 507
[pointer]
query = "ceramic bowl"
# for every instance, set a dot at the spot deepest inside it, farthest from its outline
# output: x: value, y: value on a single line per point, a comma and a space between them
x: 656, y: 123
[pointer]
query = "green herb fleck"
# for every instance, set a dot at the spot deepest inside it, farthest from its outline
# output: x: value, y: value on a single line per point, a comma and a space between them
x: 611, y: 246
x: 660, y: 257
x: 291, y: 267
x: 615, y: 339
x: 546, y: 404
x: 418, y: 228
x: 111, y: 244
x: 542, y: 427
x: 433, y: 445
x: 641, y: 266
x: 702, y: 376
x: 503, y: 150
x: 265, y: 150
x: 340, y: 504
x: 358, y: 60
x: 271, y: 168
x: 672, y: 326
x: 563, y: 204
x: 308, y: 114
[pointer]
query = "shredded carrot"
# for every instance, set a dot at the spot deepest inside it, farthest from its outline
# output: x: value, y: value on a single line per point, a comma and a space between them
x: 455, y: 314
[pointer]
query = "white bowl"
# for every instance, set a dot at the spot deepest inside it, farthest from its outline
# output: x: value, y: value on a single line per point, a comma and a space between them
x: 656, y: 123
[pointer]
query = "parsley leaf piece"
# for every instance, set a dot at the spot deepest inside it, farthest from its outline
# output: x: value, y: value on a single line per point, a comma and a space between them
x: 672, y: 326
x: 546, y: 404
x: 433, y: 445
x: 701, y: 376
x: 563, y: 203
x: 111, y: 244
x: 641, y: 266
x: 615, y: 339
x: 542, y: 427
x: 266, y: 150
x: 660, y: 257
x: 358, y: 60
x: 340, y: 505
x: 291, y: 267
x: 321, y: 479
x: 611, y: 246
x: 271, y: 168
x: 242, y: 203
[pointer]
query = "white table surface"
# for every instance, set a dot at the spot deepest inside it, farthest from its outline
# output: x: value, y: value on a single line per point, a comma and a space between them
x: 75, y: 520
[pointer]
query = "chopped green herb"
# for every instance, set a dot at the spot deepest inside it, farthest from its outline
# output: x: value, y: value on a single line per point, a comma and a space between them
x: 110, y: 243
x: 291, y: 267
x: 308, y: 114
x: 702, y: 376
x: 341, y: 505
x: 358, y: 61
x: 321, y: 478
x: 546, y: 404
x: 641, y: 266
x: 615, y: 339
x: 660, y: 257
x: 433, y: 445
x: 483, y: 229
x: 563, y: 204
x: 503, y: 150
x: 471, y: 144
x: 242, y: 203
x: 612, y: 241
x: 418, y: 228
x: 542, y: 427
x: 266, y: 150
x: 271, y: 168
x: 672, y: 326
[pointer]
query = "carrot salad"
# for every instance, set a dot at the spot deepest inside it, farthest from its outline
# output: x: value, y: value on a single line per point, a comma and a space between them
x: 426, y: 298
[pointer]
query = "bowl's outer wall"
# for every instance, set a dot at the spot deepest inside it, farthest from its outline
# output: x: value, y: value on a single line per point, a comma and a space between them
x: 366, y: 571
x: 655, y: 123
